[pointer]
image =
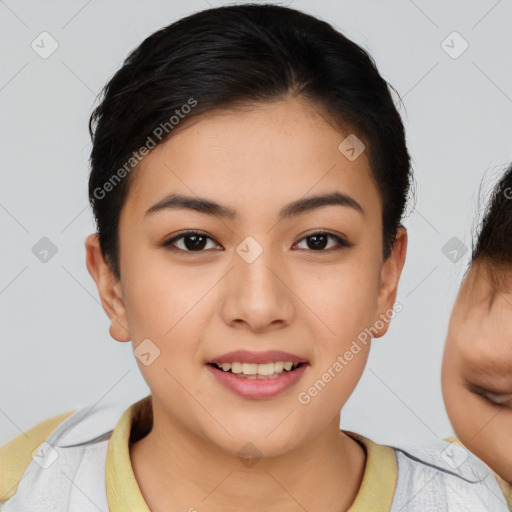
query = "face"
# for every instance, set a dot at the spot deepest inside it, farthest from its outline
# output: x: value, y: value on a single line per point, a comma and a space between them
x: 477, y: 370
x: 284, y: 284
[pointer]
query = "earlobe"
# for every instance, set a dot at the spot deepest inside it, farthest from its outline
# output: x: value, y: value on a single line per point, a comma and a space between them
x: 390, y: 277
x: 109, y: 289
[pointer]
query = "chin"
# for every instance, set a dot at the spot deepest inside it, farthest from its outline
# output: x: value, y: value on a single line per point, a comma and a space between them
x: 256, y: 442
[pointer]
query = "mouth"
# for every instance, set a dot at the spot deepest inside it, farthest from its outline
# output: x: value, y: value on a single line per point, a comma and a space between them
x: 258, y: 381
x: 262, y: 371
x: 257, y: 374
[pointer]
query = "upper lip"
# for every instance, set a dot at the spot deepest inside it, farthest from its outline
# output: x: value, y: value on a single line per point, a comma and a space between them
x: 246, y: 356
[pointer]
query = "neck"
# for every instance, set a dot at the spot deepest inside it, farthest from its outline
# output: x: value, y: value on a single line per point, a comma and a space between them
x: 176, y: 468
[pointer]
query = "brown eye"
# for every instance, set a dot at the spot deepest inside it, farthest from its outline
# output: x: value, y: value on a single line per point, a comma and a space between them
x: 318, y: 241
x: 193, y: 241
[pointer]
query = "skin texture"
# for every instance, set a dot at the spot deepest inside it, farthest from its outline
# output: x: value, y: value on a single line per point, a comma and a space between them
x: 477, y: 369
x: 197, y: 305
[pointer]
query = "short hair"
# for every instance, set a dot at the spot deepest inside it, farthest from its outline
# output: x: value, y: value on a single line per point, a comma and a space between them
x: 235, y: 56
x: 492, y: 243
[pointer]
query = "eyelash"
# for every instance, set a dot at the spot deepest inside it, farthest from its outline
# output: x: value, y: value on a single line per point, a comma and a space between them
x: 341, y: 242
x: 499, y: 401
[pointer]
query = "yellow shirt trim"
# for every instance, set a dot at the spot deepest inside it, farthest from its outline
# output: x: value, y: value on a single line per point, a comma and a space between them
x: 123, y: 493
x: 379, y: 480
x: 16, y: 455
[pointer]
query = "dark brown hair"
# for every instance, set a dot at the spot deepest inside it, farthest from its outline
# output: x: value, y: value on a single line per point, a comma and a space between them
x: 492, y: 244
x: 234, y: 56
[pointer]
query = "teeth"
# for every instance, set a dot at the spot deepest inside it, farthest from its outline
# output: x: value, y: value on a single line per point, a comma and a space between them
x: 235, y: 367
x: 249, y: 369
x: 264, y: 369
x: 259, y: 371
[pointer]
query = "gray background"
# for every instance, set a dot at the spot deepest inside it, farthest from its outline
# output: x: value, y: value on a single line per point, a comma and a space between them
x: 56, y: 353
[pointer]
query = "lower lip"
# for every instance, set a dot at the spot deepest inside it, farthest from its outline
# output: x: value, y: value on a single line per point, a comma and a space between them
x: 258, y: 389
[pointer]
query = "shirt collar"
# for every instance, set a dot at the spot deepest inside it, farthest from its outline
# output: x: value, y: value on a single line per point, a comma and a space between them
x: 123, y: 493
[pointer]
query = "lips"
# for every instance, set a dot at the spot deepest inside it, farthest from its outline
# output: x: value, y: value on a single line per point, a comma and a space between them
x: 246, y: 356
x: 257, y: 387
x: 258, y: 375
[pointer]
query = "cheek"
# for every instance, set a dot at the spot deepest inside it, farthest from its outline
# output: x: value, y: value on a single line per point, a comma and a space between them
x: 161, y: 298
x: 481, y: 427
x: 346, y: 307
x: 454, y: 375
x: 500, y: 445
x: 485, y: 431
x: 166, y: 318
x: 464, y: 409
x: 347, y: 292
x: 466, y: 412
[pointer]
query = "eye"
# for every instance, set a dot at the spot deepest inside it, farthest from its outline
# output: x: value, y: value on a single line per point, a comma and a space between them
x: 193, y: 241
x: 500, y: 399
x: 319, y: 241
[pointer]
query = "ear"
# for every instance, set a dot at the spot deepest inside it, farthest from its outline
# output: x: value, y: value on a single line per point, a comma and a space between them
x: 389, y: 278
x: 109, y: 288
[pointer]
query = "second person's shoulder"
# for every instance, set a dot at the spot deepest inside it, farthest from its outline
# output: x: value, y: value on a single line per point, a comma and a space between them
x: 444, y: 474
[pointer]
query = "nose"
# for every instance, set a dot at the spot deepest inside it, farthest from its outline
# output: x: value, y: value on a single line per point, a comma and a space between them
x: 256, y: 294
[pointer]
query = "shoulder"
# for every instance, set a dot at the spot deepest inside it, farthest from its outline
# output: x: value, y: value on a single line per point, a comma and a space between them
x: 16, y: 455
x: 505, y: 487
x: 444, y: 475
x: 57, y: 441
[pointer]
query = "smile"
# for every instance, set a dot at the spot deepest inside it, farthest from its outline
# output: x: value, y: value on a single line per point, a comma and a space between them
x: 258, y: 371
x: 258, y: 381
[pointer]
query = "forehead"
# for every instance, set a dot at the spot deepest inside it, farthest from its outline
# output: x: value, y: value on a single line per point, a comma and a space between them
x: 261, y: 154
x: 492, y: 374
x: 482, y: 322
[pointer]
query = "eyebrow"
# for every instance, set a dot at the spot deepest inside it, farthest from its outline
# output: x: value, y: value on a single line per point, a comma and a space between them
x: 209, y: 207
x: 490, y: 376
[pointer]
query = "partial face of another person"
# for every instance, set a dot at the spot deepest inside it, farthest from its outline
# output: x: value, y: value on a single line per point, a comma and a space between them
x: 477, y: 369
x: 251, y: 274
